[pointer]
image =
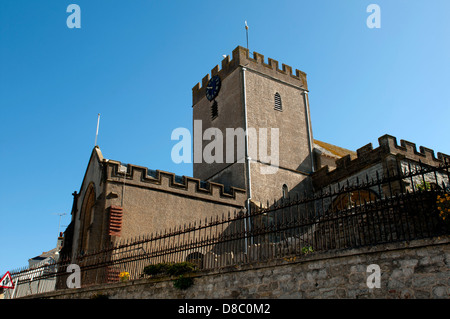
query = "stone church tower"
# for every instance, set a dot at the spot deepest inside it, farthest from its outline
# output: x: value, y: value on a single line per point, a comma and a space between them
x: 271, y: 104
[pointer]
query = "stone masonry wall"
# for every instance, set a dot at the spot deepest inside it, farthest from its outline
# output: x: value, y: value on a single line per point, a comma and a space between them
x: 416, y: 269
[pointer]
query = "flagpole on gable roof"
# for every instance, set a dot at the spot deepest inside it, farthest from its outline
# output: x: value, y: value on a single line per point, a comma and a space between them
x: 96, y: 134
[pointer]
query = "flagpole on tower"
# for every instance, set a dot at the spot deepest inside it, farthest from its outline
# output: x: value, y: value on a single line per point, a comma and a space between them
x: 246, y: 31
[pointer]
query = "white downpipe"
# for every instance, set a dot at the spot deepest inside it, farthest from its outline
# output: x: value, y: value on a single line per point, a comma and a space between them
x: 308, y: 128
x: 247, y: 224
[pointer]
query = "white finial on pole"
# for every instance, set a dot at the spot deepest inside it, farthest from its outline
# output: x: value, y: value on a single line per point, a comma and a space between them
x: 98, y: 123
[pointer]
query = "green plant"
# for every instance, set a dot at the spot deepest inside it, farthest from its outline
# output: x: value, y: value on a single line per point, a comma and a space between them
x: 178, y: 269
x: 157, y: 269
x: 307, y: 249
x: 173, y: 269
x: 423, y: 186
x: 183, y: 282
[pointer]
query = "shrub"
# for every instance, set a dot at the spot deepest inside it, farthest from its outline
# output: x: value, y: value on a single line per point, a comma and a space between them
x: 180, y: 268
x: 173, y: 269
x: 157, y: 269
x: 307, y: 249
x: 183, y: 282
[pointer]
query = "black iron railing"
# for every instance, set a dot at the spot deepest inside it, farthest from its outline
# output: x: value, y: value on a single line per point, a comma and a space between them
x: 403, y: 205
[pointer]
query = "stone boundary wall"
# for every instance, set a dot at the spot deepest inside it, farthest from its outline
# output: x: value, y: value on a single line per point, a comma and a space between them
x: 417, y: 269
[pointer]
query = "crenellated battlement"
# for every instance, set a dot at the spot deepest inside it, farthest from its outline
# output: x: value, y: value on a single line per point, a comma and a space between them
x: 367, y: 156
x: 241, y: 57
x: 409, y: 150
x: 169, y: 182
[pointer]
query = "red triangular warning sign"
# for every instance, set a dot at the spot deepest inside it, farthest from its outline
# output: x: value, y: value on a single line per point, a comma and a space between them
x: 6, y: 281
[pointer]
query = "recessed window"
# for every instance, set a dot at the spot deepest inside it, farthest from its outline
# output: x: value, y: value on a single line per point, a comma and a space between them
x: 285, y: 191
x: 214, y: 110
x: 278, y: 105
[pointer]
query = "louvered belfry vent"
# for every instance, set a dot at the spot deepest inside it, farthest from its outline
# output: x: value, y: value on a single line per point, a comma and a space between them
x: 214, y: 110
x: 278, y: 105
x: 115, y: 220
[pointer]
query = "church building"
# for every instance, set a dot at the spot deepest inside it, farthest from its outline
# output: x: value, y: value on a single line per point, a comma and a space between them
x: 261, y: 110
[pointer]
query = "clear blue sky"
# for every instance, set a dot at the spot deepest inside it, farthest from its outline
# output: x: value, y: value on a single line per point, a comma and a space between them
x: 135, y: 62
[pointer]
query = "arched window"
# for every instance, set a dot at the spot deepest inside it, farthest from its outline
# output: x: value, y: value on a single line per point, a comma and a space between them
x: 278, y: 106
x: 196, y: 258
x: 285, y: 191
x: 87, y: 217
x: 352, y: 199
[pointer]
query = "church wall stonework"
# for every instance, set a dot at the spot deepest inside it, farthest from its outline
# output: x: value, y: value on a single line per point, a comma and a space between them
x: 389, y: 154
x: 269, y: 187
x: 153, y: 204
x: 91, y: 181
x: 254, y: 110
x: 408, y: 270
x: 290, y: 122
x: 149, y: 201
x: 231, y: 115
x: 294, y: 159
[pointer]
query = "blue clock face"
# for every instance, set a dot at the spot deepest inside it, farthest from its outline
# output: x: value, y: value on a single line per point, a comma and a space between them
x: 213, y: 87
